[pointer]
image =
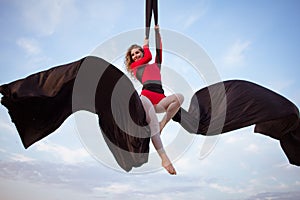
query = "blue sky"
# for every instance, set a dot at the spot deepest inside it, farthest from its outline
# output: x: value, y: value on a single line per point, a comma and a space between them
x: 252, y: 40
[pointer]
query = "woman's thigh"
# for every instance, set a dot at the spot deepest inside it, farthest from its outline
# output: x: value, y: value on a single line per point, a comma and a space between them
x: 165, y: 102
x: 151, y: 116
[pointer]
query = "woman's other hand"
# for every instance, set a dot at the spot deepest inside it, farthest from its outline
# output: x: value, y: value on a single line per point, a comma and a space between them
x: 146, y: 42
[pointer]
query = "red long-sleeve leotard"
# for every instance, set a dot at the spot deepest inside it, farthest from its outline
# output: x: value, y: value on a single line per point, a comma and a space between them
x: 149, y: 74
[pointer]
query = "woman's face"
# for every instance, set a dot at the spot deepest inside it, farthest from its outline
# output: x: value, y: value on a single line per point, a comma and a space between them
x: 136, y: 54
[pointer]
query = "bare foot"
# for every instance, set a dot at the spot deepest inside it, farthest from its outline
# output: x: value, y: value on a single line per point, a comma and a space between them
x: 169, y: 167
x: 166, y: 163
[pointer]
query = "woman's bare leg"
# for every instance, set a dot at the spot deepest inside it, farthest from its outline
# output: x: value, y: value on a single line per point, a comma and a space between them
x: 152, y: 120
x: 170, y: 105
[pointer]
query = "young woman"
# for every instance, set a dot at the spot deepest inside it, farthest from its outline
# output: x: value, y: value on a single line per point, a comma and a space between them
x: 137, y: 63
x: 154, y: 100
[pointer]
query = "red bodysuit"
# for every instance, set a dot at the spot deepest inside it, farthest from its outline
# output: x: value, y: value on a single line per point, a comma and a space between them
x: 149, y: 74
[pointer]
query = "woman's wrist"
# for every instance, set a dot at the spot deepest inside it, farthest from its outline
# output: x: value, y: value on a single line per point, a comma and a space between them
x: 146, y: 42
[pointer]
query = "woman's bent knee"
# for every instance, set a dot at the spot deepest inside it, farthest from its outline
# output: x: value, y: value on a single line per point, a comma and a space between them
x: 180, y: 98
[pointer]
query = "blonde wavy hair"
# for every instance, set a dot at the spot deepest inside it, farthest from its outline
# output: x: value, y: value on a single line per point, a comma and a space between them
x: 128, y: 58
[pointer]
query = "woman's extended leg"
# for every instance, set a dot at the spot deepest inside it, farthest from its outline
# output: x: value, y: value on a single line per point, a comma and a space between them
x: 155, y: 134
x: 170, y: 105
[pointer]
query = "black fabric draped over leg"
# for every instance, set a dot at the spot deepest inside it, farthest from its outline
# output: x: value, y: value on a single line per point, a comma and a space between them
x: 234, y: 104
x: 40, y: 103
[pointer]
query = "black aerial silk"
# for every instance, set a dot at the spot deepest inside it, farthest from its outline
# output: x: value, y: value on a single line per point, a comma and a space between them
x: 234, y: 104
x: 151, y: 6
x: 39, y: 104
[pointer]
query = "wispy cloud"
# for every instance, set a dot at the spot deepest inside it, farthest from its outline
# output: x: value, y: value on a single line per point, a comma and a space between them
x: 115, y: 188
x: 187, y: 15
x: 99, y: 10
x: 79, y: 178
x: 70, y: 156
x: 7, y: 127
x: 253, y: 148
x: 226, y: 189
x: 43, y: 17
x: 237, y: 137
x: 282, y: 85
x: 235, y: 55
x: 232, y: 140
x: 191, y: 19
x: 29, y: 45
x: 292, y: 195
x: 20, y: 158
x: 94, y: 180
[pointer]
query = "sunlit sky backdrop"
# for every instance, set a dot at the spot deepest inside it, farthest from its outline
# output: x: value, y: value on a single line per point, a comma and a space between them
x: 251, y: 40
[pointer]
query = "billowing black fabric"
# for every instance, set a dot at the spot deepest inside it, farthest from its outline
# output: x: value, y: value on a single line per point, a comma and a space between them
x: 234, y: 104
x: 39, y: 104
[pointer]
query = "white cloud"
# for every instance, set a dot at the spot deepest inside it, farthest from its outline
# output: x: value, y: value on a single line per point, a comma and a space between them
x: 114, y: 188
x: 226, y: 189
x: 235, y: 55
x: 236, y: 139
x: 281, y: 85
x: 187, y: 165
x: 195, y: 10
x: 67, y: 155
x: 276, y: 195
x: 191, y: 19
x: 278, y: 184
x: 285, y: 166
x: 20, y: 158
x: 7, y: 127
x: 231, y: 140
x: 29, y: 45
x: 43, y: 17
x: 47, y: 16
x: 252, y: 148
x: 108, y: 11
